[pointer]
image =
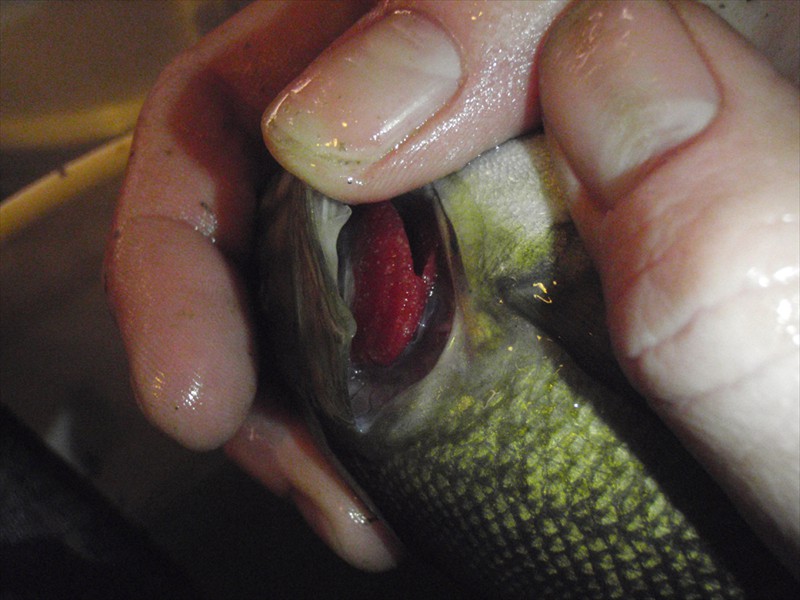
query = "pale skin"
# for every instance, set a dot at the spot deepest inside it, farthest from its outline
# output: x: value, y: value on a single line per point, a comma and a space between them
x: 693, y: 228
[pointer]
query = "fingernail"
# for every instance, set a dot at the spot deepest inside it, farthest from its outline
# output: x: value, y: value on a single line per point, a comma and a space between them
x: 358, y: 102
x: 355, y: 535
x: 622, y: 84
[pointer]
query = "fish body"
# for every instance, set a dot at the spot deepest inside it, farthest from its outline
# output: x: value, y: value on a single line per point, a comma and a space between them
x: 504, y: 442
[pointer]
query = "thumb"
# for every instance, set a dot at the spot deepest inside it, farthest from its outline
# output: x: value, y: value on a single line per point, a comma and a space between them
x: 679, y: 147
x: 411, y: 93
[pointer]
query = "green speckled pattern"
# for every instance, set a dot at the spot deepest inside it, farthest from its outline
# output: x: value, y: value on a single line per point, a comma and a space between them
x: 508, y: 465
x: 526, y: 487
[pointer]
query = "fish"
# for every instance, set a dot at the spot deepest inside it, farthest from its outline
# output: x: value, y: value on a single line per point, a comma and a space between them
x: 450, y: 352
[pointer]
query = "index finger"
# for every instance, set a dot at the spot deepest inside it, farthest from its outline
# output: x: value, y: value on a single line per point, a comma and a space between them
x: 184, y: 223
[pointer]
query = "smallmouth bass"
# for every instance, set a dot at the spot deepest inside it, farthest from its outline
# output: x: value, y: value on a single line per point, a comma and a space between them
x: 458, y: 369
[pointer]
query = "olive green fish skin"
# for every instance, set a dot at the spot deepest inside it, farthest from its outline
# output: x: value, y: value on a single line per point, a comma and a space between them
x: 509, y: 465
x: 523, y: 491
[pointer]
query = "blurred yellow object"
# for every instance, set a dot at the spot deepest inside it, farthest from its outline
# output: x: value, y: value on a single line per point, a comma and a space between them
x: 77, y: 72
x: 38, y: 199
x: 74, y: 74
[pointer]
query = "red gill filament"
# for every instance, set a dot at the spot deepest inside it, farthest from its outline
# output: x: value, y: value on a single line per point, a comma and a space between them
x: 394, y: 271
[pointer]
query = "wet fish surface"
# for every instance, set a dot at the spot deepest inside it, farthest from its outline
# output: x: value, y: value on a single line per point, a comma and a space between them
x: 497, y: 436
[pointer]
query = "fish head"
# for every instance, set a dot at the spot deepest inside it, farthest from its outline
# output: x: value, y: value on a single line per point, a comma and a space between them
x: 502, y: 241
x: 495, y: 433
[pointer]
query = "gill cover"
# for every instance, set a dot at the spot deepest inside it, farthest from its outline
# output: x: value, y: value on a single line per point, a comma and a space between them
x: 500, y: 439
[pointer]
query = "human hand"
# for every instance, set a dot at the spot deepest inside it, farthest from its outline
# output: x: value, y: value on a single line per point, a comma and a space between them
x: 178, y: 257
x: 678, y: 147
x: 181, y: 301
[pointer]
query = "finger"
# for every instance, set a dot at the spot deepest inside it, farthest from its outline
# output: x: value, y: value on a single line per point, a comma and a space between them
x: 185, y: 323
x: 184, y: 224
x: 413, y: 92
x: 276, y: 449
x: 684, y: 181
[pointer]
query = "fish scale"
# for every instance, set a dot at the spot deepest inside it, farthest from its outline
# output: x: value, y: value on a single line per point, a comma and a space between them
x: 537, y: 544
x: 522, y: 464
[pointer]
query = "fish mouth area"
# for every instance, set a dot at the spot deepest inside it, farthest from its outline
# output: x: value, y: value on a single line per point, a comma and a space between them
x: 395, y: 277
